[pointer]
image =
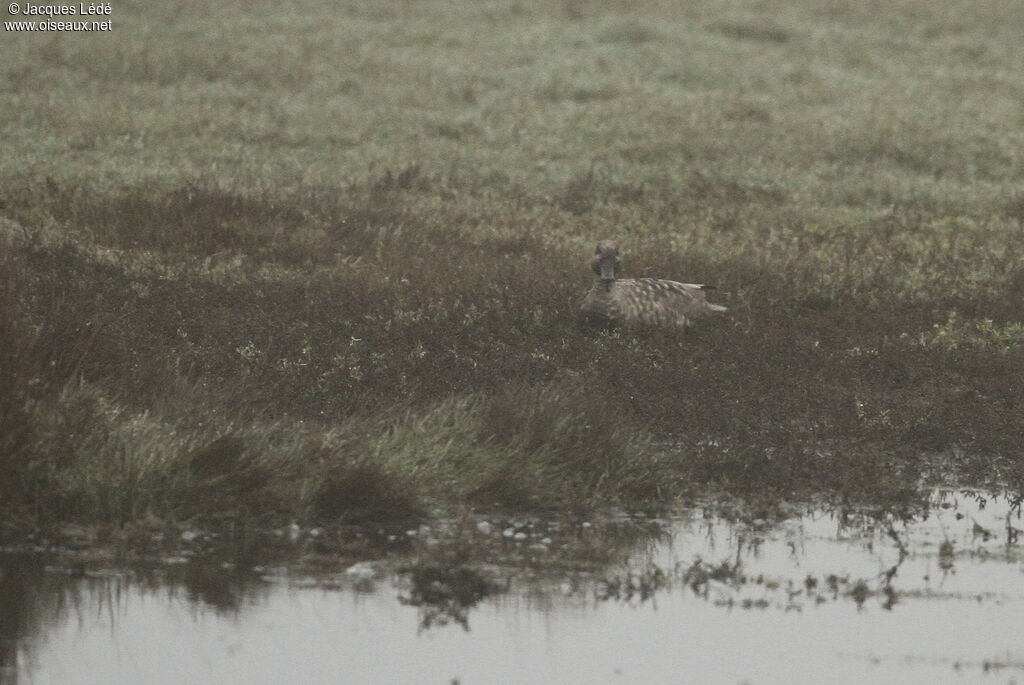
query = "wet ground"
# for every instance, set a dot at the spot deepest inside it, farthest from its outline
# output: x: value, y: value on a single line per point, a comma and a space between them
x: 715, y: 594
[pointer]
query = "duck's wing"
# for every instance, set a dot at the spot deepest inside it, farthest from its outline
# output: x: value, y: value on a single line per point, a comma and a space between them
x: 659, y: 302
x: 699, y: 293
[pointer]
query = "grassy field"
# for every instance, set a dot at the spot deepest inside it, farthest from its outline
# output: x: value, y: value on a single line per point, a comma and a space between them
x: 313, y: 260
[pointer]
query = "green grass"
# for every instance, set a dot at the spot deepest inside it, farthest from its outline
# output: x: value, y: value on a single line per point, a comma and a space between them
x: 301, y: 259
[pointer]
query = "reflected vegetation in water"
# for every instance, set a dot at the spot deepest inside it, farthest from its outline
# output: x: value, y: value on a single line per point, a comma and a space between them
x: 711, y: 594
x: 446, y: 593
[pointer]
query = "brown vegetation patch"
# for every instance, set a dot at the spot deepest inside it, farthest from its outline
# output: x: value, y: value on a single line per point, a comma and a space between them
x: 427, y: 313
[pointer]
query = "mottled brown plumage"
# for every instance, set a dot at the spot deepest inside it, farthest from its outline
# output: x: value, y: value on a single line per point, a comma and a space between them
x: 640, y: 301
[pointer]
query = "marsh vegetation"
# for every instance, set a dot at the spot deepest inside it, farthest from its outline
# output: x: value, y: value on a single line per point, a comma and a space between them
x: 300, y: 260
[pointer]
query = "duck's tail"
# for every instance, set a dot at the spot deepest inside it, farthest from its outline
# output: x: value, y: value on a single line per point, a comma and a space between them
x: 717, y: 307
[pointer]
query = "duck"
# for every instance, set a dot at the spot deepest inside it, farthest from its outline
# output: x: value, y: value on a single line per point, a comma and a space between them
x: 614, y: 302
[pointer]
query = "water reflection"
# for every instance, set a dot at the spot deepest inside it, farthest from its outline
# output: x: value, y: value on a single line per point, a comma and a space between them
x: 710, y: 595
x: 20, y: 578
x: 445, y: 593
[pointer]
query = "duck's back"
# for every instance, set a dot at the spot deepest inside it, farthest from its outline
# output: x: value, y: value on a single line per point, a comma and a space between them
x: 657, y: 302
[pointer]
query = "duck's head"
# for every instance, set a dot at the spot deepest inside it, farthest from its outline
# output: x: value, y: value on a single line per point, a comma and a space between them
x: 606, y: 260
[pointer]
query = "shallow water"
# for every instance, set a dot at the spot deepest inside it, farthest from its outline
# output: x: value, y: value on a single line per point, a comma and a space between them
x: 817, y: 596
